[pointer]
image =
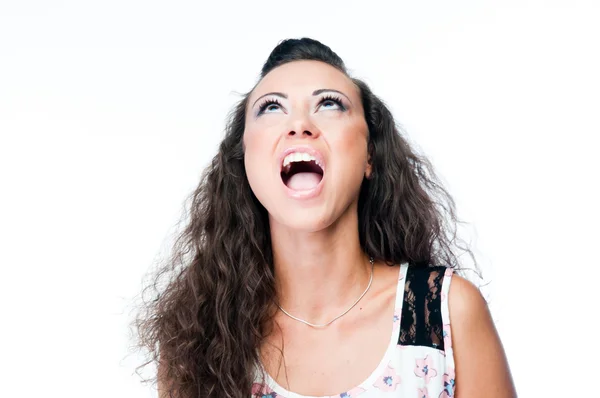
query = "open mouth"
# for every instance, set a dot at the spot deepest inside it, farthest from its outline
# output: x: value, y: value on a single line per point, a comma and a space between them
x: 301, y: 172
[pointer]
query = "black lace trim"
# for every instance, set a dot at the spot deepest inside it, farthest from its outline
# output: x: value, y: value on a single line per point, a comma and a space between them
x: 421, y: 320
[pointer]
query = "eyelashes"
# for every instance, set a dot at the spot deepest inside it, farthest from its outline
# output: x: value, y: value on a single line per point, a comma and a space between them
x: 335, y: 99
x: 271, y: 102
x: 267, y: 103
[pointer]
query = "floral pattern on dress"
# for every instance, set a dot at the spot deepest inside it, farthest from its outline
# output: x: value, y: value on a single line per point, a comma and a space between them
x: 262, y: 391
x: 448, y: 384
x: 425, y: 368
x: 422, y: 393
x: 389, y: 380
x: 446, y: 334
x: 351, y: 393
x: 396, y: 319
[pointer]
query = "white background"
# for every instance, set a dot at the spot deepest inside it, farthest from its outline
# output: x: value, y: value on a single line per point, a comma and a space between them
x: 109, y: 111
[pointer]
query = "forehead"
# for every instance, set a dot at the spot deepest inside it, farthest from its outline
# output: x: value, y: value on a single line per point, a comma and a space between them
x: 303, y: 77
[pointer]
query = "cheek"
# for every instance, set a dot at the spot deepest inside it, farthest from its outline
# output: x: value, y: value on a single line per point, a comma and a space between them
x: 351, y: 141
x: 252, y: 155
x: 258, y: 161
x: 260, y: 137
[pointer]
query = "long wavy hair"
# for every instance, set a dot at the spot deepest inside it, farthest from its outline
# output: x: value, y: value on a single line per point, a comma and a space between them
x: 209, y: 308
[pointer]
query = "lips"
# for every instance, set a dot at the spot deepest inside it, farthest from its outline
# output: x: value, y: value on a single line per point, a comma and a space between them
x: 302, y: 149
x: 302, y: 170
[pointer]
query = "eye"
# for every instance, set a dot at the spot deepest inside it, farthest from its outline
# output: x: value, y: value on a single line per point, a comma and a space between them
x: 332, y: 102
x: 270, y: 105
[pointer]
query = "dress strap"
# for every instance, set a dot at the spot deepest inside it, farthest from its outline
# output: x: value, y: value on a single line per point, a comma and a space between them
x: 422, y: 319
x: 446, y: 318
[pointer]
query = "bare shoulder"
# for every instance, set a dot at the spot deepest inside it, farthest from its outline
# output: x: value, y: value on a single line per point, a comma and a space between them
x: 465, y: 301
x: 480, y: 361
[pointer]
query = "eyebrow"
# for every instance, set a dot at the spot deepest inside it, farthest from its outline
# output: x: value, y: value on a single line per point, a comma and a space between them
x: 316, y: 92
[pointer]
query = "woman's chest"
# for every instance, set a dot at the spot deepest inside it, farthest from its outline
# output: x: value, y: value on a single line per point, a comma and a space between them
x: 325, y: 362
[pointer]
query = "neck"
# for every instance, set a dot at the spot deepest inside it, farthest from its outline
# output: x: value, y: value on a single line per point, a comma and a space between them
x: 319, y: 274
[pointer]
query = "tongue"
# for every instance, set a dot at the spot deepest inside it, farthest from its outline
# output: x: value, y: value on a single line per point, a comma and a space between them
x: 304, y: 181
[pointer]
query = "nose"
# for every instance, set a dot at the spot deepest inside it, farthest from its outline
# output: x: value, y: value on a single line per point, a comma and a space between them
x: 302, y: 127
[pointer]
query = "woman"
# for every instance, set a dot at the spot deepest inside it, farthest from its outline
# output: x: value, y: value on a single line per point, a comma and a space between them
x: 318, y: 259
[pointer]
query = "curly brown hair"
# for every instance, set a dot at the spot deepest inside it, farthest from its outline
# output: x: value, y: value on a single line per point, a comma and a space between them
x: 212, y: 303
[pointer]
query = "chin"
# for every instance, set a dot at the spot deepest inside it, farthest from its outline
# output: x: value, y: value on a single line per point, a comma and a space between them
x: 309, y: 220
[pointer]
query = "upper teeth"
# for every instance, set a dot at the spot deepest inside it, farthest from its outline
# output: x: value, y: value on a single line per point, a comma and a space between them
x: 300, y: 157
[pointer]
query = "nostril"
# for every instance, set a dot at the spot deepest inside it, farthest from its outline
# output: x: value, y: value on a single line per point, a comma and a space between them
x: 306, y: 132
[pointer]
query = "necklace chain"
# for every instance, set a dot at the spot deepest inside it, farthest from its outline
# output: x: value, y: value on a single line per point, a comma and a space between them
x: 317, y: 326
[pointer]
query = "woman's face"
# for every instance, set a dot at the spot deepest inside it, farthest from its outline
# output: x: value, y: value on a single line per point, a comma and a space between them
x: 305, y: 143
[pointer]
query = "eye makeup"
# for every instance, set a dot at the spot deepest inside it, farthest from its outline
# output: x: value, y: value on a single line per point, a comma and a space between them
x: 266, y: 104
x: 335, y: 99
x: 331, y: 98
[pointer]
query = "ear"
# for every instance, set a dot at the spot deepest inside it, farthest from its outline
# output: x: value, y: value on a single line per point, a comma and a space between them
x: 369, y: 169
x: 369, y: 166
